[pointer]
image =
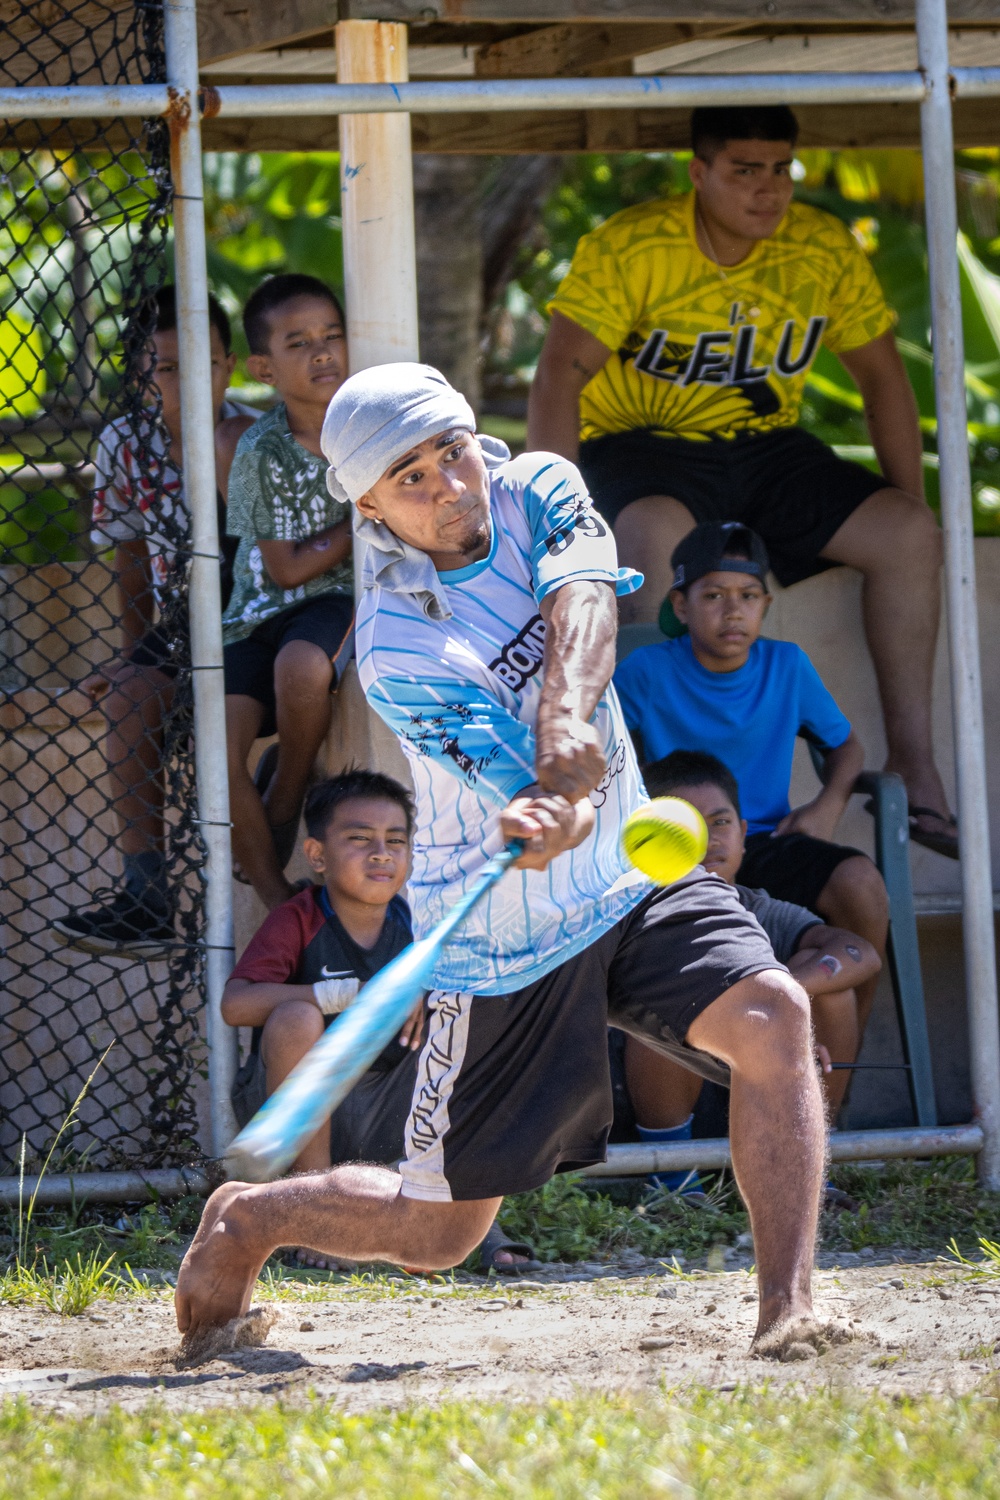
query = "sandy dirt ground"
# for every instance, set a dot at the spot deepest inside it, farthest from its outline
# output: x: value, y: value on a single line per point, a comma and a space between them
x: 917, y: 1327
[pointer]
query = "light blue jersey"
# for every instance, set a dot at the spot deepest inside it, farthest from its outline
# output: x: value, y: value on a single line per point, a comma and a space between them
x: 462, y: 695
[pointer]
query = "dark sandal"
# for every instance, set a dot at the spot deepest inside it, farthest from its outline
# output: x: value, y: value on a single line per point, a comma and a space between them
x: 495, y: 1243
x: 941, y: 843
x: 283, y: 835
x: 262, y: 778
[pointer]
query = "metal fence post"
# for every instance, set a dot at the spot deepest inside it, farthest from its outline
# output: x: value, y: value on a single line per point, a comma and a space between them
x: 960, y: 577
x: 181, y: 35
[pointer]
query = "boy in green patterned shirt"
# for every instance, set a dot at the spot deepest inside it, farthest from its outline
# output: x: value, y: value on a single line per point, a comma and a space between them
x: 288, y: 628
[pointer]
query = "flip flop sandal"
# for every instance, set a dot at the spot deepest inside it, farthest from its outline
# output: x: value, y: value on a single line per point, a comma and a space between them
x: 941, y: 843
x: 497, y: 1242
x: 836, y: 1198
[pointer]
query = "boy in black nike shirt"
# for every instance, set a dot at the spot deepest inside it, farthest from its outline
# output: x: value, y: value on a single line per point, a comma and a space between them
x: 311, y: 956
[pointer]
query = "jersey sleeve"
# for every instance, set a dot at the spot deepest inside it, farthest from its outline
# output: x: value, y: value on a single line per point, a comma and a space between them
x: 463, y: 728
x: 570, y: 540
x: 820, y: 720
x: 858, y: 310
x: 784, y: 922
x: 274, y: 953
x: 594, y: 293
x: 114, y: 515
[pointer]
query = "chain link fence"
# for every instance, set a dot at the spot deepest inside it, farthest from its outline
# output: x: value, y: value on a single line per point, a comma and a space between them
x: 84, y: 221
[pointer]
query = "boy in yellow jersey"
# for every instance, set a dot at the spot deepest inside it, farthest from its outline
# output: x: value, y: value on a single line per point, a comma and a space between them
x: 673, y: 372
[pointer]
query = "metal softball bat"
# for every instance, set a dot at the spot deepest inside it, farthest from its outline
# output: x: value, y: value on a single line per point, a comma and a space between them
x: 331, y: 1068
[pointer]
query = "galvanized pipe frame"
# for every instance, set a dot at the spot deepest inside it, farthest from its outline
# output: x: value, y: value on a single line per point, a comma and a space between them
x: 636, y: 1159
x: 204, y: 593
x: 941, y: 216
x: 932, y: 86
x: 669, y: 91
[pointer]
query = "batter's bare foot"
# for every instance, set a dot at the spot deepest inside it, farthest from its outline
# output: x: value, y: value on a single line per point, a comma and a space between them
x: 798, y: 1337
x: 217, y: 1275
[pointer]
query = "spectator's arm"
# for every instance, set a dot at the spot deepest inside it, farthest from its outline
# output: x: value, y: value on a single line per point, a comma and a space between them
x: 829, y: 959
x: 247, y: 1004
x: 293, y: 563
x: 891, y: 412
x: 570, y: 358
x: 841, y: 770
x: 581, y: 621
x: 227, y: 435
x: 135, y: 591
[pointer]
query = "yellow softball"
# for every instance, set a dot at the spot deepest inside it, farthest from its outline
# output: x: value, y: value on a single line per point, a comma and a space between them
x: 665, y: 839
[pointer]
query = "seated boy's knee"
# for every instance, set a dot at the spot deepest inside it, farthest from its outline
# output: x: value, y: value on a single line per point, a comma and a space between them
x: 919, y: 534
x: 130, y: 689
x: 302, y: 667
x: 860, y: 880
x: 294, y: 1021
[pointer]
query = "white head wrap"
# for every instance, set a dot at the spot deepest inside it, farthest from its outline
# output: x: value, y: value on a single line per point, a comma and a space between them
x: 377, y: 416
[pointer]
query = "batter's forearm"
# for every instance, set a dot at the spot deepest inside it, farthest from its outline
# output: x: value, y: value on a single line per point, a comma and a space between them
x: 581, y: 626
x: 581, y: 630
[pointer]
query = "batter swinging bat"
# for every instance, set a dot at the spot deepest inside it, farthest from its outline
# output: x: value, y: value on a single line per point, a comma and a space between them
x: 331, y: 1068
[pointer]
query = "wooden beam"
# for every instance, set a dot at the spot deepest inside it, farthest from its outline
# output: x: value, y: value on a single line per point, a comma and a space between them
x: 228, y: 27
x: 562, y: 51
x: 517, y: 134
x: 82, y: 43
x: 621, y: 12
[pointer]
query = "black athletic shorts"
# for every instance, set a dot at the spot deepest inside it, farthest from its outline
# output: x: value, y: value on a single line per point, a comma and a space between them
x: 791, y: 866
x: 368, y: 1125
x: 514, y: 1088
x: 327, y: 622
x: 786, y: 485
x: 154, y: 650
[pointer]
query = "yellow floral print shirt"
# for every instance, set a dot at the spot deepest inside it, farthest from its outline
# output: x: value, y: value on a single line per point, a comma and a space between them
x: 704, y: 351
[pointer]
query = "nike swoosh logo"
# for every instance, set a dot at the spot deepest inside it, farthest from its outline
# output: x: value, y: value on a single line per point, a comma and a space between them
x: 326, y: 973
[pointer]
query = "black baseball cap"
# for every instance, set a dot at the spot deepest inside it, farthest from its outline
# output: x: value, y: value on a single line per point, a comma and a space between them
x: 709, y: 548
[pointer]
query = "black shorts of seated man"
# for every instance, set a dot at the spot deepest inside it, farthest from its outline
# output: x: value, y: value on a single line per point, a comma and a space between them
x: 744, y: 697
x: 831, y: 964
x: 679, y: 347
x: 490, y: 654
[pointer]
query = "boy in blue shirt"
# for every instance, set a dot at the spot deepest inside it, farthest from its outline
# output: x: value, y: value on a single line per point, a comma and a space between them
x: 725, y: 689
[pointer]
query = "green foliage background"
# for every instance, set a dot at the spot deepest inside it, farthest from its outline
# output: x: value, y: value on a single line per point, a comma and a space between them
x: 281, y: 211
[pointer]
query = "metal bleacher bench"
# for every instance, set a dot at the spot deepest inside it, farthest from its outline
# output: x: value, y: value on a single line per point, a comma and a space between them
x: 892, y: 856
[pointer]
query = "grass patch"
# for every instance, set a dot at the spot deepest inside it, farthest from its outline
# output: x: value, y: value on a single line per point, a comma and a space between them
x: 913, y: 1204
x: 69, y: 1289
x: 934, y: 1207
x: 684, y: 1444
x: 150, y: 1236
x: 903, y: 1205
x: 563, y: 1221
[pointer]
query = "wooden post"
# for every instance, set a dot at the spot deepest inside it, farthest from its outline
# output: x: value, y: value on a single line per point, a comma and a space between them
x: 376, y: 185
x: 380, y: 293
